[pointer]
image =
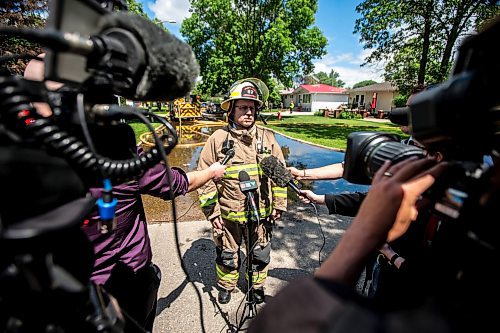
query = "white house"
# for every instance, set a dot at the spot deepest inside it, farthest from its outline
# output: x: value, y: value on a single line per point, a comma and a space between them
x: 378, y: 96
x: 315, y: 97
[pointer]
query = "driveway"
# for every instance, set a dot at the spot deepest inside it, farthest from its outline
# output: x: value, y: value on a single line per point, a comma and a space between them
x: 297, y: 242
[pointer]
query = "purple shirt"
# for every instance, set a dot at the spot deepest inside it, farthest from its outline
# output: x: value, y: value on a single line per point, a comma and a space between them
x: 129, y: 242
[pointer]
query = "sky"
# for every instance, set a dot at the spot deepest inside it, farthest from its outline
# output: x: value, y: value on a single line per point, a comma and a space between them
x: 335, y: 18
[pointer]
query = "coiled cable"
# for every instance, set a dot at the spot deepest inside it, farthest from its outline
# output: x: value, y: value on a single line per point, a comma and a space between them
x: 18, y: 115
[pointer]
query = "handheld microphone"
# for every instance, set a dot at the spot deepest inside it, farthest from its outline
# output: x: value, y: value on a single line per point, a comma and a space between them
x: 229, y: 154
x: 247, y: 186
x: 273, y: 169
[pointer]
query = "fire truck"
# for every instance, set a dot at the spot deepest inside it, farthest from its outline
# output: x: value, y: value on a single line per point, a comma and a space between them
x: 186, y: 108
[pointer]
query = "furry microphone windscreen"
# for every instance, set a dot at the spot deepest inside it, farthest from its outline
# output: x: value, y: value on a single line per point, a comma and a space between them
x: 273, y: 169
x: 171, y: 67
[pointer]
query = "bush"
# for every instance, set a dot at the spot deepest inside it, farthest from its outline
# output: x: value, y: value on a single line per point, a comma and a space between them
x: 346, y: 115
x: 358, y: 116
x: 319, y: 113
x: 400, y: 101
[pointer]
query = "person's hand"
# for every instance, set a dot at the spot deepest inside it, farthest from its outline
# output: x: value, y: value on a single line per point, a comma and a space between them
x: 384, y: 215
x: 217, y: 170
x: 389, y: 207
x: 217, y: 222
x: 310, y: 196
x: 276, y: 214
x: 296, y: 173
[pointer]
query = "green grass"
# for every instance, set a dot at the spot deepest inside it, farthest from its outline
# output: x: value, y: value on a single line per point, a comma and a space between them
x: 330, y: 132
x: 140, y: 128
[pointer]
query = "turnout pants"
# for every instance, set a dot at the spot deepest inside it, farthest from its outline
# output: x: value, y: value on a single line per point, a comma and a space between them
x: 228, y: 242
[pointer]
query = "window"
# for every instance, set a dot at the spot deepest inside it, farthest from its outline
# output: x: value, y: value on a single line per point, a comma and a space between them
x: 362, y: 100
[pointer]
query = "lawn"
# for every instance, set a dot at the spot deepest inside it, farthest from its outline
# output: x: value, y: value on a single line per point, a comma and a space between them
x: 330, y: 132
x: 140, y: 128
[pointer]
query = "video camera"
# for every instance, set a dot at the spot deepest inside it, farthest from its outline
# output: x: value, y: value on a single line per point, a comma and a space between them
x: 48, y: 163
x: 458, y: 118
x: 454, y: 239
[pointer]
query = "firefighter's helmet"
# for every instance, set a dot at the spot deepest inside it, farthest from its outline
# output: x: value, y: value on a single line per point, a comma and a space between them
x: 251, y: 89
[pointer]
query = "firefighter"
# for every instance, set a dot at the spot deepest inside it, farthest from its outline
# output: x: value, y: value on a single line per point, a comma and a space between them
x: 223, y: 203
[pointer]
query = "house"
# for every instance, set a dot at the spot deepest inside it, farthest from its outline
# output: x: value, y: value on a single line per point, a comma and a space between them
x: 315, y: 97
x: 286, y: 97
x: 378, y: 96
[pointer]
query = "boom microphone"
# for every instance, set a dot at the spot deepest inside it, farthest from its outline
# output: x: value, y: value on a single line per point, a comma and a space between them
x: 273, y: 169
x: 143, y: 61
x: 171, y: 69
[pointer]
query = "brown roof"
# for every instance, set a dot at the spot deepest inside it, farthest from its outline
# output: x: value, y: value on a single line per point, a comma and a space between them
x: 384, y: 86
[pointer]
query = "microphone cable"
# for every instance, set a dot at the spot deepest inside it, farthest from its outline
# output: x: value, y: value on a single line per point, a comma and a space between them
x: 140, y: 114
x: 161, y: 149
x: 322, y: 233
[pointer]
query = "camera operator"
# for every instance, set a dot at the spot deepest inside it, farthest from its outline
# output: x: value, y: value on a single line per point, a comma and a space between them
x: 327, y: 301
x: 123, y: 256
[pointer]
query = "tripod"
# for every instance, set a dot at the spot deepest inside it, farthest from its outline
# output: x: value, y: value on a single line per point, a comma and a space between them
x: 248, y: 187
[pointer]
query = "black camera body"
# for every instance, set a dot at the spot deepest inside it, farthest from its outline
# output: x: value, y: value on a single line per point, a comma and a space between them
x: 367, y: 151
x: 459, y: 118
x: 48, y: 163
x: 454, y: 239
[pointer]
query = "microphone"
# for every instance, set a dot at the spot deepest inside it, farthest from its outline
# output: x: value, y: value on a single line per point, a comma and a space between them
x: 229, y: 154
x: 247, y: 186
x: 143, y: 61
x: 273, y: 169
x: 171, y: 68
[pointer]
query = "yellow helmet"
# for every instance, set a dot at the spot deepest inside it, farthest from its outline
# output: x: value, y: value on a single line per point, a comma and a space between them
x: 250, y: 88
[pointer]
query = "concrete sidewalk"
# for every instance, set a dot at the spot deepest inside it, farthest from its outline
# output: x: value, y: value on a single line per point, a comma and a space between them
x: 296, y: 245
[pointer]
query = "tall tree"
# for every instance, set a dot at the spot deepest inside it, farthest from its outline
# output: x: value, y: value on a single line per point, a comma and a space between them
x: 419, y: 32
x: 134, y: 6
x: 21, y: 13
x: 331, y: 79
x: 363, y: 83
x: 33, y: 14
x: 233, y: 39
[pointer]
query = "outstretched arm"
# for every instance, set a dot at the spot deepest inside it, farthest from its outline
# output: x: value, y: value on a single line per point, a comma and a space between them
x: 384, y: 215
x: 200, y: 177
x: 332, y: 171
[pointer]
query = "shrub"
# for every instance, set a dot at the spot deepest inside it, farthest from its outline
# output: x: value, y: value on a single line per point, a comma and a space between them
x: 318, y: 113
x: 358, y: 116
x: 346, y: 115
x: 400, y: 101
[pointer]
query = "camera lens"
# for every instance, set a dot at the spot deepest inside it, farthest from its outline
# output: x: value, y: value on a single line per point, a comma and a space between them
x: 367, y: 151
x: 377, y: 154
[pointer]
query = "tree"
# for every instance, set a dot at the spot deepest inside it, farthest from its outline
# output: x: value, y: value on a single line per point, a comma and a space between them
x: 363, y: 83
x: 32, y: 14
x: 422, y: 33
x: 21, y: 13
x: 331, y: 79
x: 233, y: 39
x: 136, y: 7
